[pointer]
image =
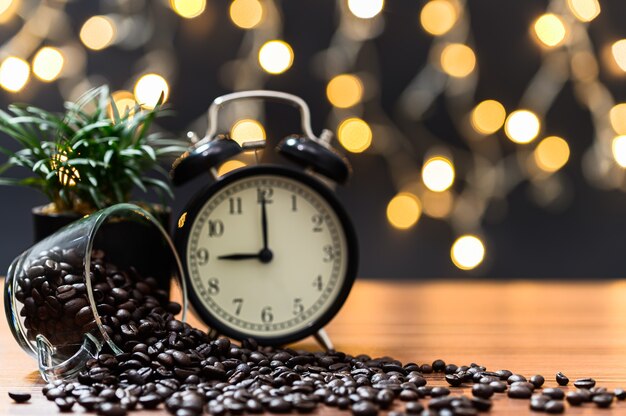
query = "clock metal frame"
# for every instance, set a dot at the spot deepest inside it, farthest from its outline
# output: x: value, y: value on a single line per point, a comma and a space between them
x: 182, y: 234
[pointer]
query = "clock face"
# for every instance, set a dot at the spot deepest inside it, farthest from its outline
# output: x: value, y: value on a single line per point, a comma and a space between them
x: 269, y: 254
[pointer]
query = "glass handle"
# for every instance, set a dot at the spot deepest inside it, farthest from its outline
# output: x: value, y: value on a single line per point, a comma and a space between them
x: 51, y: 368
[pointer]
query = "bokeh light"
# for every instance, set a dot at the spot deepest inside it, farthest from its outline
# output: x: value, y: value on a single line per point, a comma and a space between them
x: 488, y: 117
x: 467, y: 252
x: 188, y: 8
x: 48, y: 64
x: 247, y: 130
x: 438, y: 174
x: 276, y: 56
x: 14, y: 74
x: 458, y: 60
x: 124, y: 102
x: 229, y: 166
x: 619, y: 53
x: 8, y: 9
x: 619, y: 150
x: 617, y: 115
x: 149, y: 89
x: 355, y: 135
x: 344, y: 90
x: 98, y: 32
x: 438, y: 17
x: 437, y: 204
x: 522, y: 126
x: 246, y: 14
x: 365, y: 9
x: 404, y: 210
x: 551, y: 154
x: 584, y: 10
x: 550, y: 30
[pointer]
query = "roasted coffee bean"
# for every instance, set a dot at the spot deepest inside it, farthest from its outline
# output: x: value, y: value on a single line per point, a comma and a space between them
x: 279, y: 405
x: 426, y: 368
x: 19, y: 397
x: 603, y: 400
x: 620, y: 394
x: 413, y: 408
x: 439, y: 366
x: 561, y: 379
x: 514, y: 378
x: 482, y: 405
x: 519, y: 392
x: 553, y: 393
x: 454, y: 380
x: 498, y: 386
x: 554, y: 406
x: 574, y: 398
x: 504, y: 374
x: 450, y: 369
x: 538, y: 402
x: 111, y: 409
x: 537, y: 380
x: 408, y: 395
x: 585, y: 383
x: 65, y: 404
x: 439, y: 391
x: 483, y: 391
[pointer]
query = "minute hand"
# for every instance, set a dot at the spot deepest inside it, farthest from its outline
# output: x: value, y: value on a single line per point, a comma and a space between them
x: 239, y: 256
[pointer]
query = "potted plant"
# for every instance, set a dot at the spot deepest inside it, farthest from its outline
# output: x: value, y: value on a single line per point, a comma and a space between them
x: 87, y: 158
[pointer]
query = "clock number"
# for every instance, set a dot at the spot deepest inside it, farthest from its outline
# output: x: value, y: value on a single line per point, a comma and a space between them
x: 266, y: 314
x: 203, y: 256
x: 298, y: 307
x: 294, y: 204
x: 317, y: 220
x: 234, y: 205
x: 329, y: 253
x: 238, y: 304
x: 214, y: 286
x: 265, y: 194
x: 318, y: 282
x: 216, y: 228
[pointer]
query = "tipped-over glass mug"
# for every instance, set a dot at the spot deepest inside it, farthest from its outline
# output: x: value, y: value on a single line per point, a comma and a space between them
x: 70, y: 294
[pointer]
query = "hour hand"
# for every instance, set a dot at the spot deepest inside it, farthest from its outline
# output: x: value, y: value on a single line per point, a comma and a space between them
x: 239, y: 256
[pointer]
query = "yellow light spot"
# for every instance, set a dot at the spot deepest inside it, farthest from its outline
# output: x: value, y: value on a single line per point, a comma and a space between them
x: 437, y: 204
x: 149, y: 89
x: 355, y: 135
x: 48, y: 63
x: 98, y: 32
x: 467, y: 252
x: 584, y: 10
x: 229, y: 166
x: 619, y: 53
x: 124, y: 102
x: 68, y: 175
x: 188, y: 8
x: 488, y: 117
x: 551, y: 154
x: 438, y: 17
x: 438, y: 174
x: 617, y: 115
x: 365, y: 9
x: 246, y: 13
x: 8, y: 9
x: 550, y: 30
x: 522, y: 126
x: 182, y: 219
x: 14, y: 74
x: 404, y: 210
x: 246, y: 130
x: 458, y: 60
x: 344, y: 90
x: 276, y: 56
x: 619, y: 150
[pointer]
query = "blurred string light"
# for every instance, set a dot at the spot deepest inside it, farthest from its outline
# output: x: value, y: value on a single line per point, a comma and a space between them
x: 124, y: 102
x: 584, y: 10
x: 551, y: 154
x: 246, y: 14
x: 8, y: 9
x: 438, y: 17
x: 467, y: 252
x: 149, y: 89
x: 619, y: 53
x: 276, y: 56
x: 617, y: 115
x: 98, y: 32
x: 550, y: 30
x: 48, y: 64
x: 188, y: 8
x: 365, y: 9
x: 458, y: 60
x: 355, y: 135
x: 404, y: 210
x: 438, y: 174
x: 14, y: 74
x: 522, y: 126
x: 247, y: 130
x: 619, y: 150
x: 344, y: 90
x: 488, y: 117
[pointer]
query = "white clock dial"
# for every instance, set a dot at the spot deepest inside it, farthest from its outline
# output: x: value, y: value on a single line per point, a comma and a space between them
x: 268, y: 291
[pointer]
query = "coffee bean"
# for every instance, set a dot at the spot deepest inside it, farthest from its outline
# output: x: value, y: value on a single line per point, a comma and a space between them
x: 519, y: 392
x: 111, y: 409
x: 561, y: 379
x: 482, y: 405
x: 620, y: 394
x: 426, y: 368
x: 279, y: 405
x: 413, y: 408
x: 482, y: 390
x: 603, y: 400
x: 439, y: 366
x: 538, y: 402
x: 574, y: 398
x: 19, y: 397
x: 553, y: 393
x: 498, y: 386
x: 454, y: 379
x: 514, y: 378
x: 585, y: 383
x: 554, y: 406
x: 65, y: 404
x: 537, y: 380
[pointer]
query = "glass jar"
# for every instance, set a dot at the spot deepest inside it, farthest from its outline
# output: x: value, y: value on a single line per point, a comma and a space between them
x: 63, y: 296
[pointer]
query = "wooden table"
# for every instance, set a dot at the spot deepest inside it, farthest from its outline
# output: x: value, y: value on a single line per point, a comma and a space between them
x: 527, y: 327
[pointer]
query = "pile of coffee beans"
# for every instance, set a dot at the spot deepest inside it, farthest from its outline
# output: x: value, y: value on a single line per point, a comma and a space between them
x: 168, y: 364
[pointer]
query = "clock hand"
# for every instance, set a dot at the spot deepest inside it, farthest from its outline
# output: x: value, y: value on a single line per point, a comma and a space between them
x: 239, y: 256
x: 264, y: 222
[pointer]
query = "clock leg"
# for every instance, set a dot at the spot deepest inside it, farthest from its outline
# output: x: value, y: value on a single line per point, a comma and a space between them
x: 323, y: 339
x: 213, y: 334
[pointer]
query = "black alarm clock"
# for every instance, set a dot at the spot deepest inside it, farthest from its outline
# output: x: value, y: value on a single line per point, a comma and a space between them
x: 268, y: 250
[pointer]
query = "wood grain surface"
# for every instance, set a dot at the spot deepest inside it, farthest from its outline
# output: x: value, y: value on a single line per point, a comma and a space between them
x: 525, y: 326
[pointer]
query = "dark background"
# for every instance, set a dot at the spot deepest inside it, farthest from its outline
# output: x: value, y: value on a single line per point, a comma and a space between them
x: 584, y: 240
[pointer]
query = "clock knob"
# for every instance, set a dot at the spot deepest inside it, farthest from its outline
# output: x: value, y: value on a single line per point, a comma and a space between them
x: 203, y: 158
